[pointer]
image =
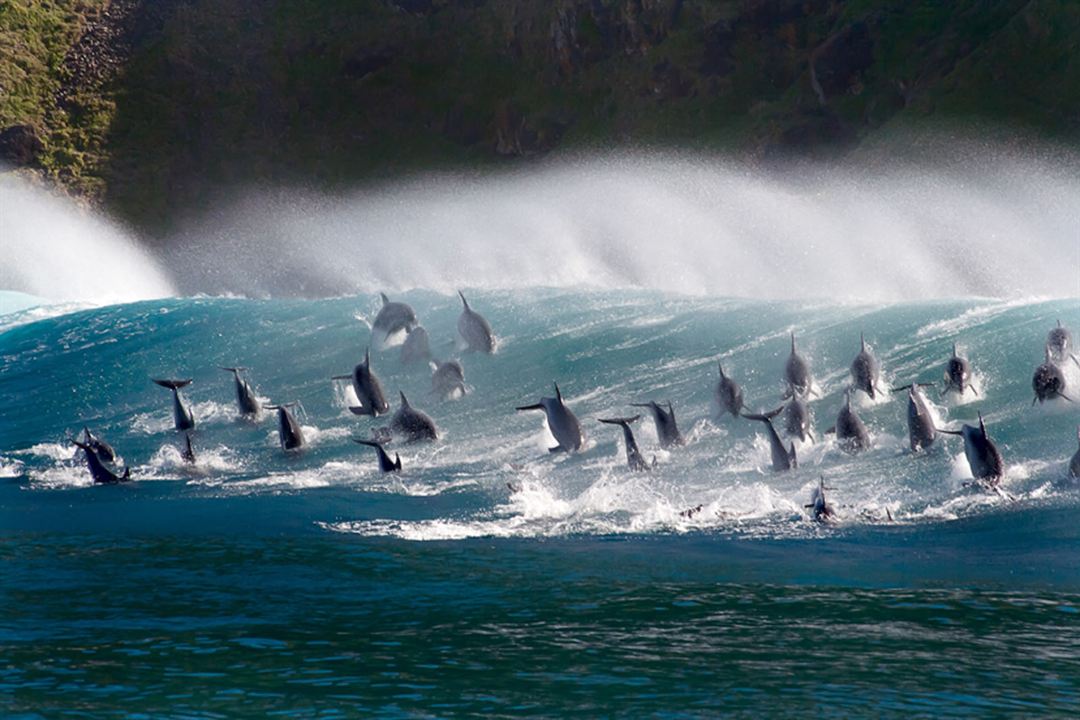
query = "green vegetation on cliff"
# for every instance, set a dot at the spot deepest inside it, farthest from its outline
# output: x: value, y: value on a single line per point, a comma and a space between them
x: 201, y: 95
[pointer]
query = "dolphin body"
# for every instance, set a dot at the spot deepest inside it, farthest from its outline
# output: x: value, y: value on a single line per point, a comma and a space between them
x: 245, y: 396
x: 101, y: 474
x: 416, y: 348
x: 411, y: 424
x: 182, y: 416
x: 1048, y: 382
x: 819, y: 506
x: 393, y: 317
x: 865, y: 370
x: 797, y: 418
x: 850, y: 430
x: 1059, y: 344
x: 103, y: 449
x: 797, y: 373
x: 982, y: 454
x: 386, y: 465
x: 368, y: 389
x: 728, y: 394
x: 561, y: 420
x: 474, y: 329
x: 666, y: 427
x: 289, y: 430
x: 958, y: 374
x: 921, y: 430
x: 783, y: 459
x: 633, y: 453
x: 188, y: 453
x: 1074, y: 464
x: 448, y: 379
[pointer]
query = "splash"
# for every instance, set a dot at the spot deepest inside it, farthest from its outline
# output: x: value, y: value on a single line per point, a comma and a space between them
x: 59, y: 252
x: 993, y: 227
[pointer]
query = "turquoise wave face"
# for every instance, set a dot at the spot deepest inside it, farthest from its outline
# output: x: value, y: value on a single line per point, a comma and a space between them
x: 490, y: 470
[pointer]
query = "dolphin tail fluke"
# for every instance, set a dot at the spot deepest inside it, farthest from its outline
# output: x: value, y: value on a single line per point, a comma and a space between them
x: 537, y: 406
x: 764, y: 416
x: 233, y: 370
x: 624, y: 421
x: 902, y: 387
x: 171, y: 384
x: 949, y: 432
x: 81, y: 446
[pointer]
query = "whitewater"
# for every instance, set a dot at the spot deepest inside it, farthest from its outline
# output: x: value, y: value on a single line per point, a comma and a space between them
x: 491, y: 577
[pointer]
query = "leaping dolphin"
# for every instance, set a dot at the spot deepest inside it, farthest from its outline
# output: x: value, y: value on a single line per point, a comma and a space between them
x: 103, y: 449
x: 182, y: 417
x: 851, y: 433
x: 101, y: 474
x: 982, y: 454
x: 822, y: 511
x: 921, y: 431
x: 416, y: 347
x: 1059, y: 344
x: 289, y: 431
x: 474, y: 329
x: 561, y: 420
x: 865, y: 370
x: 667, y: 430
x: 633, y: 454
x: 1048, y: 382
x: 245, y: 396
x: 797, y: 373
x: 1074, y: 464
x: 448, y: 379
x: 797, y: 418
x: 386, y: 465
x: 728, y: 394
x: 782, y: 458
x: 411, y: 424
x: 958, y: 374
x: 393, y: 317
x: 368, y: 389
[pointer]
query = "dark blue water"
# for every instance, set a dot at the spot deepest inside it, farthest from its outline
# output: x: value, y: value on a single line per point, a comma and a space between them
x: 492, y: 578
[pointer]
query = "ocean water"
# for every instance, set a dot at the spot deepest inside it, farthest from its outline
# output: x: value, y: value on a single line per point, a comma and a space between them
x: 492, y: 578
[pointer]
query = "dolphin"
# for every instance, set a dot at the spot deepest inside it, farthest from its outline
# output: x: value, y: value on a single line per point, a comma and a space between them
x: 728, y: 394
x: 561, y: 420
x: 782, y: 458
x: 188, y: 453
x: 822, y: 510
x: 103, y: 449
x: 385, y: 463
x: 850, y: 430
x: 412, y: 424
x: 474, y: 329
x: 289, y: 430
x: 448, y: 379
x: 1074, y: 464
x: 958, y: 374
x: 416, y: 347
x: 368, y: 389
x: 392, y: 317
x: 633, y: 454
x: 797, y: 373
x: 797, y: 418
x: 666, y: 428
x: 1058, y: 344
x: 101, y: 474
x: 182, y: 417
x: 1048, y: 381
x: 245, y: 396
x: 865, y: 370
x: 920, y: 422
x: 982, y: 454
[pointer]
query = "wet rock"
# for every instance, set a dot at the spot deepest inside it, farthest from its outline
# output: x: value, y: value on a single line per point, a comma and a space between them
x: 837, y: 65
x: 20, y: 145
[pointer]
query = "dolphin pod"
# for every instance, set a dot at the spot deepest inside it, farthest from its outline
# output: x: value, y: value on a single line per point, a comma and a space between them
x: 411, y: 425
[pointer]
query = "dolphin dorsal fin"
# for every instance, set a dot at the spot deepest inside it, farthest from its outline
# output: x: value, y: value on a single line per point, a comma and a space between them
x: 982, y: 425
x: 558, y: 393
x: 955, y: 354
x: 720, y: 365
x: 463, y: 300
x: 385, y: 300
x: 862, y: 342
x: 367, y: 357
x: 792, y: 343
x: 404, y: 400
